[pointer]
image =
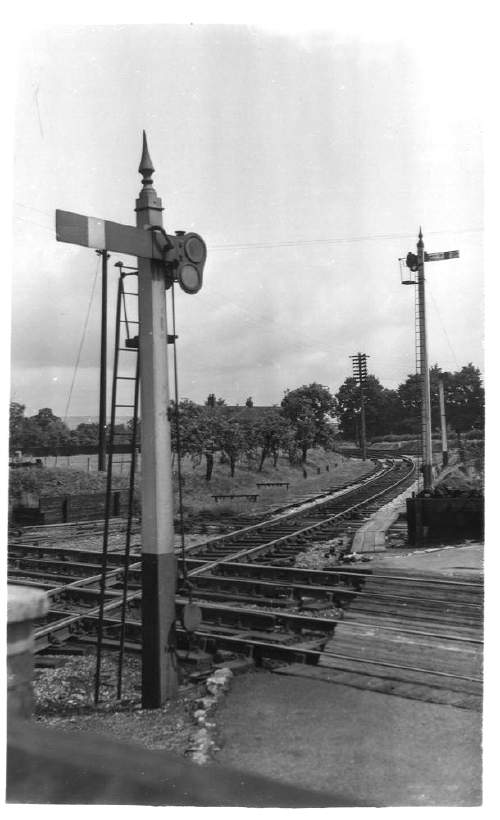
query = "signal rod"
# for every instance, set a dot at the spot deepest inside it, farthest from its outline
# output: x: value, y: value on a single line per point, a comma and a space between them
x: 101, y: 465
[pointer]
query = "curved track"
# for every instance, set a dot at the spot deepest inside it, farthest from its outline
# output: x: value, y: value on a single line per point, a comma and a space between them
x: 415, y: 637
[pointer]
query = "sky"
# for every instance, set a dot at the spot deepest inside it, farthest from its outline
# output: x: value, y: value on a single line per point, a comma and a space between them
x: 306, y: 156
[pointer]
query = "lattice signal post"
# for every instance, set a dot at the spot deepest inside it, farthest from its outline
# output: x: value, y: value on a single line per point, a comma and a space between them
x: 415, y: 263
x: 162, y: 260
x: 360, y: 373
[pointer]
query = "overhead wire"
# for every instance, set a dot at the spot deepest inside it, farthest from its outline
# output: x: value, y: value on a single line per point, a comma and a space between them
x: 434, y: 303
x: 289, y: 243
x: 84, y: 333
x: 335, y: 240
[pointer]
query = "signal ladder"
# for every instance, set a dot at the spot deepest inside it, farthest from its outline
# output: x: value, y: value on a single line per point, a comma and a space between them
x: 124, y: 396
x: 419, y: 370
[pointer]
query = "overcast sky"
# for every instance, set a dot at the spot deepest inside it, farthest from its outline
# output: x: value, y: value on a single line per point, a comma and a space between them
x: 306, y: 159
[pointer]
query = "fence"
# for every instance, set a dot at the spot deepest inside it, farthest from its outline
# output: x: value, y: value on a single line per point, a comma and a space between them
x: 90, y: 463
x: 59, y: 509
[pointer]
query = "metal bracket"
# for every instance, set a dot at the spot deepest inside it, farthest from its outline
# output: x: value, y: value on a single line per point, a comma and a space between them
x: 168, y: 246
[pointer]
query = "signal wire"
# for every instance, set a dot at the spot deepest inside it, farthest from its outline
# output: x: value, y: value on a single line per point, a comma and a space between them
x: 84, y: 333
x: 178, y: 443
x: 434, y: 303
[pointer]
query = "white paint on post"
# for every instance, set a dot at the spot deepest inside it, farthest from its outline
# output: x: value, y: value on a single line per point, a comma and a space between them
x: 157, y: 495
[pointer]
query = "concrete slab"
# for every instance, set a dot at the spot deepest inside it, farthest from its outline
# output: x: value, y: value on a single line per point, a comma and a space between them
x: 465, y: 561
x: 380, y: 750
x: 371, y: 537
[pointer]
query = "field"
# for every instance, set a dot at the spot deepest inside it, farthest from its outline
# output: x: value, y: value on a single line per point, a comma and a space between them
x: 321, y: 471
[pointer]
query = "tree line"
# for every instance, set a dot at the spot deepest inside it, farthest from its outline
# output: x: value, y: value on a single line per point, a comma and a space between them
x: 307, y: 417
x: 398, y: 411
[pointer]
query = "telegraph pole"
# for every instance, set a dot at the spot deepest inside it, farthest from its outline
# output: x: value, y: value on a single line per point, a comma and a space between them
x: 101, y: 465
x: 159, y: 563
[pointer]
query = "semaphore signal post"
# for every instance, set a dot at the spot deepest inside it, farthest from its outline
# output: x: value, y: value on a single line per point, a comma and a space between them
x: 162, y: 260
x: 415, y: 263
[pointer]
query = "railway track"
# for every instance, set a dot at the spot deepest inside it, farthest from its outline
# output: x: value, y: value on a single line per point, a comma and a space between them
x: 411, y: 636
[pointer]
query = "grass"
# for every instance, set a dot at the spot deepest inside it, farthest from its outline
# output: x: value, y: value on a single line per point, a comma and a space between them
x: 197, y: 492
x: 57, y: 481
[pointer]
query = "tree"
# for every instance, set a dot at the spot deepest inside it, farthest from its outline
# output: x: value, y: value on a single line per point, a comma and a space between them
x: 16, y: 426
x: 212, y: 401
x: 347, y: 408
x: 464, y: 399
x: 271, y: 432
x: 85, y: 435
x: 410, y: 397
x: 463, y: 395
x: 309, y: 409
x: 209, y: 438
x: 249, y: 402
x: 186, y: 428
x: 382, y: 408
x: 45, y: 431
x: 232, y: 439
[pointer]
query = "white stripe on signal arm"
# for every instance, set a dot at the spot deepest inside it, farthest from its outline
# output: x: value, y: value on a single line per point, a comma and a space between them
x: 97, y: 233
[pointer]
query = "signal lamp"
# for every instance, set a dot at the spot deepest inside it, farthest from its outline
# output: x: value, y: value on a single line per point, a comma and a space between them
x: 192, y: 254
x: 412, y: 262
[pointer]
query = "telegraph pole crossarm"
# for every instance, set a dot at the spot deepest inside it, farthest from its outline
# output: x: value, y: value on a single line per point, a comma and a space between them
x: 360, y: 374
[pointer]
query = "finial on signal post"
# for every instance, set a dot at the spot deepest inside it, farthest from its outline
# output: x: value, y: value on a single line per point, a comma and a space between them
x: 146, y: 167
x: 148, y: 203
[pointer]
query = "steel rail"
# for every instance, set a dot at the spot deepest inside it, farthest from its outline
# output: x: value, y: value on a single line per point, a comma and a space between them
x: 323, y: 500
x: 282, y: 619
x: 118, y: 525
x: 471, y: 586
x: 316, y: 622
x: 304, y: 652
x: 336, y: 587
x: 422, y: 580
x: 209, y: 566
x: 318, y: 653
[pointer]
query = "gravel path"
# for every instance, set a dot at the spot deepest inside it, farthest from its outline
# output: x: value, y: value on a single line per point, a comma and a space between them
x: 378, y: 749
